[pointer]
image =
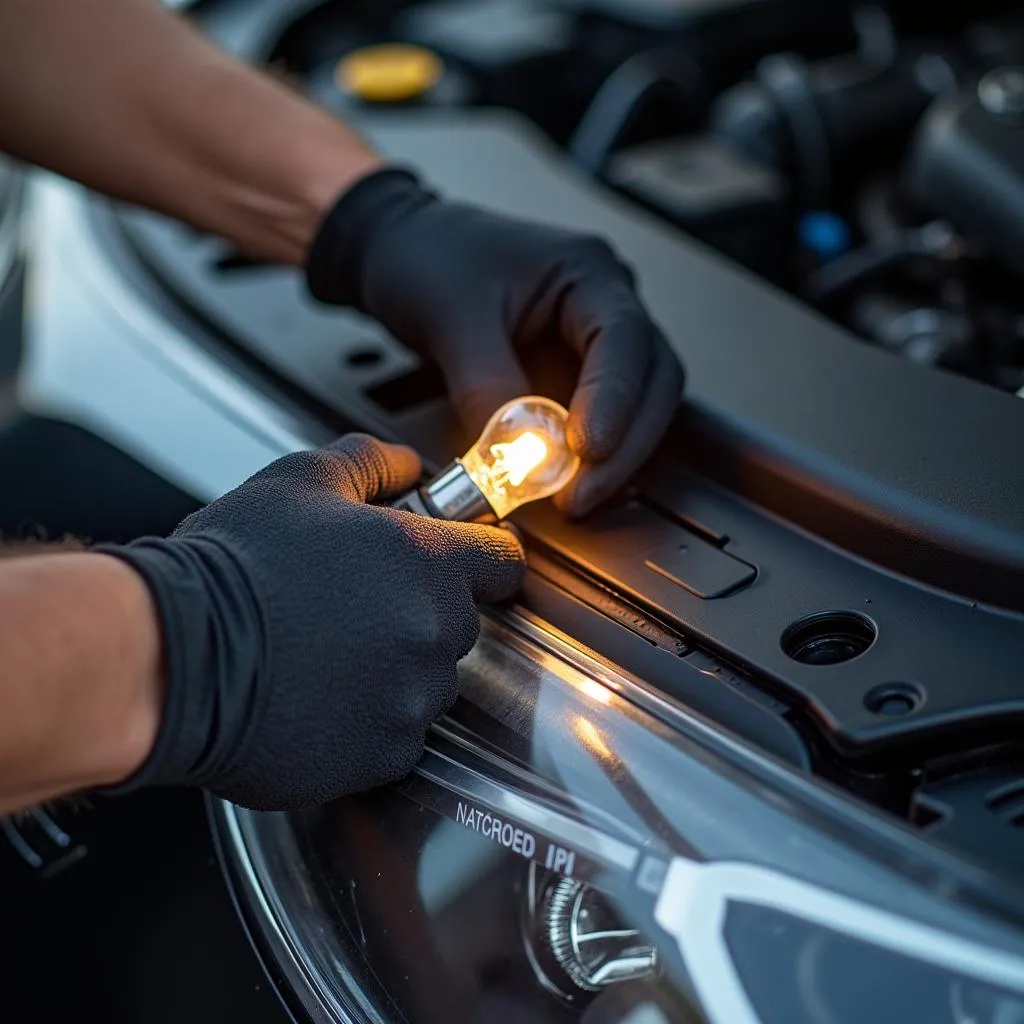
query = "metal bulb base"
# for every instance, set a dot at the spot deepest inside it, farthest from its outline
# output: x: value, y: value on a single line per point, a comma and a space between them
x: 451, y: 495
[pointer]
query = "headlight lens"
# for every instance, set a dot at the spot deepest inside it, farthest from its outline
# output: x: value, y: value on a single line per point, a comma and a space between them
x: 572, y: 848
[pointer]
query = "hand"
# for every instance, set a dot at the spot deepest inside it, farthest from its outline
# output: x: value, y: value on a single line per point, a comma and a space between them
x: 470, y: 289
x: 310, y: 638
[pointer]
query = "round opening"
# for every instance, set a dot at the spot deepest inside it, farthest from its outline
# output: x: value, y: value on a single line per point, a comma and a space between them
x: 894, y: 699
x: 361, y: 358
x: 829, y: 638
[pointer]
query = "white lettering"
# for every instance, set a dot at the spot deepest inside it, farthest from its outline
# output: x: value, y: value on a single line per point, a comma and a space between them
x: 505, y: 833
x: 557, y: 859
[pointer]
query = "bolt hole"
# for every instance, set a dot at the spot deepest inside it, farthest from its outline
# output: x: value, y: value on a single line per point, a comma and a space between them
x: 829, y: 638
x: 894, y: 699
x: 363, y: 358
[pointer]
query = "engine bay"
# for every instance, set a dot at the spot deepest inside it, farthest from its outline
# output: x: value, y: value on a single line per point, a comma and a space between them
x: 820, y: 201
x: 862, y: 158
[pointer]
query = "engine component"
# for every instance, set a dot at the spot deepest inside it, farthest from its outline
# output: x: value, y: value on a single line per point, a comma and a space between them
x: 934, y: 337
x: 1001, y: 93
x: 967, y: 164
x: 493, y: 34
x: 516, y: 53
x: 623, y: 97
x: 719, y: 196
x: 389, y: 73
x: 725, y: 38
x: 820, y: 124
x: 664, y: 14
x: 880, y: 258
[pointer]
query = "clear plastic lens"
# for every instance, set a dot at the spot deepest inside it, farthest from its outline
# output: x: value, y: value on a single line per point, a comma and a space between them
x: 522, y: 454
x: 561, y: 855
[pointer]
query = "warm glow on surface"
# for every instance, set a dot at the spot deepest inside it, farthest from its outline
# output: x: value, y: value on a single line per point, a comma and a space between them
x: 595, y: 691
x: 515, y: 461
x: 591, y: 737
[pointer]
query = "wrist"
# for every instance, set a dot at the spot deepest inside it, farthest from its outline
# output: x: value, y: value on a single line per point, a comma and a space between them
x: 210, y: 626
x: 338, y: 257
x: 81, y: 694
x: 124, y: 737
x: 328, y: 168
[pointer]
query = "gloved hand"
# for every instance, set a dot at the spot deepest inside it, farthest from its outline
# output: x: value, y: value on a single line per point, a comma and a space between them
x: 469, y: 289
x: 310, y: 638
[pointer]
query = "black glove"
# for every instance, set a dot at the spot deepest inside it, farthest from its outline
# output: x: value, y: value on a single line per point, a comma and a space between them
x: 469, y: 288
x: 309, y: 638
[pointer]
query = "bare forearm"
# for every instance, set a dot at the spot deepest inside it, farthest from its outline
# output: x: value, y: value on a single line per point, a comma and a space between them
x: 80, y: 684
x: 126, y: 97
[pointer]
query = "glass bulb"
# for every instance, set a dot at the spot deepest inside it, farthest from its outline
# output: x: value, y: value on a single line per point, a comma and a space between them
x: 522, y: 454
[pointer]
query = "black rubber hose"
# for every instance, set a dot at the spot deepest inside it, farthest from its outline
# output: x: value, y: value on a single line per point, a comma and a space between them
x: 832, y: 281
x: 622, y: 98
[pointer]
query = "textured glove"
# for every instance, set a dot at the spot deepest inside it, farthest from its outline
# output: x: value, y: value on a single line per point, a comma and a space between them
x: 470, y: 289
x: 310, y: 639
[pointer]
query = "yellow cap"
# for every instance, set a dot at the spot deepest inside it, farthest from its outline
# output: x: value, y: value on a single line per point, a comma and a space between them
x: 389, y: 73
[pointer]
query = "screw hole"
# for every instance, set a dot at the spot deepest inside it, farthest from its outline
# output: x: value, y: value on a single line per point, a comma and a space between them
x: 362, y: 358
x: 829, y: 638
x: 894, y: 699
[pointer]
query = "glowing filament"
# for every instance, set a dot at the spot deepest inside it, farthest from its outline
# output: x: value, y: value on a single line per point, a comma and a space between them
x: 521, y: 455
x: 516, y: 460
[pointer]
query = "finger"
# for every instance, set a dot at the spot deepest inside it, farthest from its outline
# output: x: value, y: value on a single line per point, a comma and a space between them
x: 368, y: 470
x: 594, y: 483
x: 441, y: 697
x: 490, y: 560
x: 482, y: 373
x: 616, y: 360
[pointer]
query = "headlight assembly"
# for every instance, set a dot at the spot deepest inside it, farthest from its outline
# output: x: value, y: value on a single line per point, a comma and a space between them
x: 574, y: 848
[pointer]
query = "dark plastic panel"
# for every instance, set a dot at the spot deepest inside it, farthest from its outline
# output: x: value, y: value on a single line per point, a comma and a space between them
x: 953, y: 666
x: 641, y: 552
x: 981, y: 811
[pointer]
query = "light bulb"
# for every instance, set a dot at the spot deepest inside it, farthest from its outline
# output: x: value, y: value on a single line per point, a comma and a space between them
x: 521, y: 456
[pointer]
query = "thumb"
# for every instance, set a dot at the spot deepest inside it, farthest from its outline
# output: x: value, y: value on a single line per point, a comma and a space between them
x: 369, y: 470
x: 490, y: 559
x: 481, y: 372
